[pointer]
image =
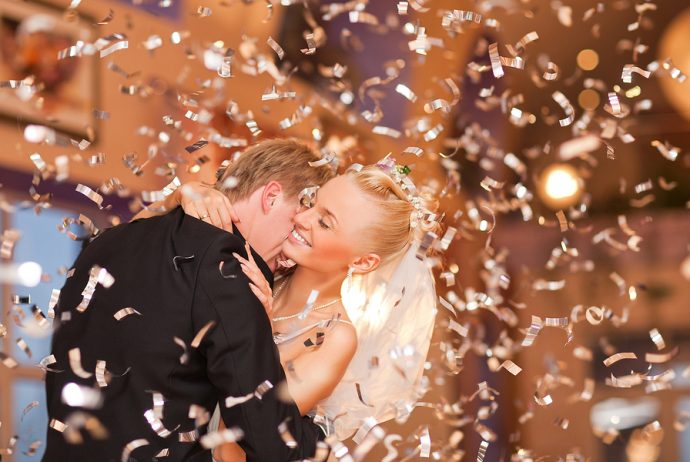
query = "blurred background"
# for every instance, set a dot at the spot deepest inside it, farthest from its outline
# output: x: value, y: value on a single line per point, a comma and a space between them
x: 554, y: 131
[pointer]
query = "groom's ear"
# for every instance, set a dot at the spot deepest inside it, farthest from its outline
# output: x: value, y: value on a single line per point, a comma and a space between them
x: 270, y: 195
x: 366, y: 263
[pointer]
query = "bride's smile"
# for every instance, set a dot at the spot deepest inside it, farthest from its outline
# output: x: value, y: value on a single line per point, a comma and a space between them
x: 335, y: 233
x: 296, y: 236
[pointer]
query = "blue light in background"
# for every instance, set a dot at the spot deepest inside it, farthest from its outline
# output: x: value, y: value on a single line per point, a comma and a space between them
x: 41, y: 242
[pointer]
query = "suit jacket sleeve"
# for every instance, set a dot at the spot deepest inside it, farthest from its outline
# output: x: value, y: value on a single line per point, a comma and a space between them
x: 240, y: 355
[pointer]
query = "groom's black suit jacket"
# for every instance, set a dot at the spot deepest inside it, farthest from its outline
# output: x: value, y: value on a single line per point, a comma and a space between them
x: 167, y: 268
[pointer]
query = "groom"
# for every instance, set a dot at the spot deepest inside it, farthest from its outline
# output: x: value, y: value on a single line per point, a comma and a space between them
x: 157, y: 324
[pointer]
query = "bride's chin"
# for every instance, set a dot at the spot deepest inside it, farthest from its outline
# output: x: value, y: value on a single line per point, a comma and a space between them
x: 299, y: 254
x: 288, y: 251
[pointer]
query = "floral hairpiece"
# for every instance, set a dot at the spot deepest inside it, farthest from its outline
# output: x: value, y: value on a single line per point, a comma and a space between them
x: 400, y: 174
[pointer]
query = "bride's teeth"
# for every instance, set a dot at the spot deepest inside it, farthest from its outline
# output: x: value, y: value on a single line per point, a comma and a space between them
x: 297, y: 236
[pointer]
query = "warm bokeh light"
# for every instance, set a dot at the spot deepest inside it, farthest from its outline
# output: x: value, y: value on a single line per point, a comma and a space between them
x: 588, y: 99
x: 560, y: 186
x: 587, y: 59
x: 674, y: 46
x: 685, y: 268
x: 36, y: 133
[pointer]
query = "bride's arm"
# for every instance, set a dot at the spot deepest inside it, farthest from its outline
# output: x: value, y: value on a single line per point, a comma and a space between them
x: 198, y: 200
x: 171, y: 201
x: 313, y: 375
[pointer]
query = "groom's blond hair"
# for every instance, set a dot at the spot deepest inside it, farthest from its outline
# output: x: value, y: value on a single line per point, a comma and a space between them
x: 283, y: 160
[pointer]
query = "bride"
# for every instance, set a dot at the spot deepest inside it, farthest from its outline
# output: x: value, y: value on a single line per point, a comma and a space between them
x: 353, y: 320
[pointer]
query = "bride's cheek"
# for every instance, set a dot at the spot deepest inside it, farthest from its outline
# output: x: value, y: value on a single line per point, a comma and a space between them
x: 336, y: 251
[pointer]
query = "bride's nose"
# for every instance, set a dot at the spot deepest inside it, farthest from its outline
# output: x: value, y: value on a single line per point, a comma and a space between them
x: 303, y: 218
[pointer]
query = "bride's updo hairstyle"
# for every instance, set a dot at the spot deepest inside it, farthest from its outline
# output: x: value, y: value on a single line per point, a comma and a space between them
x: 402, y: 216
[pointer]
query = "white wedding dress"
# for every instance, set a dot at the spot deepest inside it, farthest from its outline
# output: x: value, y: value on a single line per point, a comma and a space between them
x: 393, y: 310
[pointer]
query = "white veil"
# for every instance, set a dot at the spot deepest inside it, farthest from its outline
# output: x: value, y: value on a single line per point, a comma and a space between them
x: 393, y: 310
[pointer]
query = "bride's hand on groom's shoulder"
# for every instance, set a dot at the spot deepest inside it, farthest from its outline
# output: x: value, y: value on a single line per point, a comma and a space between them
x: 258, y: 283
x: 206, y: 203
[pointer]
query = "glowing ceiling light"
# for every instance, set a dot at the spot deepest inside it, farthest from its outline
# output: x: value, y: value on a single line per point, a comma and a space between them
x: 561, y: 186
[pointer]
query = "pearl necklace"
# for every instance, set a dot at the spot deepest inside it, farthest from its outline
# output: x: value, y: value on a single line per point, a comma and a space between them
x: 292, y: 316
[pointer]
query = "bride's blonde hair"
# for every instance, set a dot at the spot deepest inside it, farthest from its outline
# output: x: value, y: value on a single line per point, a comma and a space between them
x: 391, y: 308
x: 395, y: 227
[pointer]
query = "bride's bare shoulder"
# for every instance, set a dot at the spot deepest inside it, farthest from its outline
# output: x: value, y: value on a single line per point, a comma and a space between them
x: 342, y: 338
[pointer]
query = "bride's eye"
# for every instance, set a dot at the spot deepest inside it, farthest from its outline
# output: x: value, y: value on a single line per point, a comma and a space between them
x: 323, y: 224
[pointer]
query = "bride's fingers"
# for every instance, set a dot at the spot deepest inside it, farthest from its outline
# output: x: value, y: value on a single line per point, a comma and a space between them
x: 204, y: 216
x: 190, y: 210
x: 253, y: 264
x: 227, y: 205
x: 253, y: 276
x: 250, y: 268
x: 196, y: 210
x: 252, y: 273
x: 260, y: 282
x: 228, y: 212
x: 225, y: 218
x: 214, y: 218
x: 250, y: 258
x: 262, y: 297
x: 240, y: 258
